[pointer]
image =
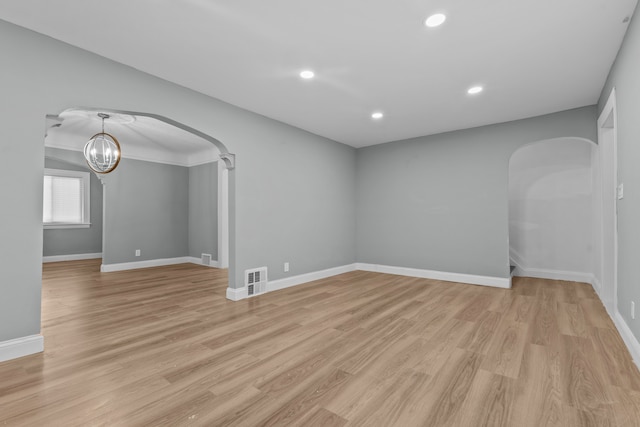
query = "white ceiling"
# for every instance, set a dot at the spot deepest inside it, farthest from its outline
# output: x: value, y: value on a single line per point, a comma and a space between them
x: 141, y: 138
x: 532, y: 56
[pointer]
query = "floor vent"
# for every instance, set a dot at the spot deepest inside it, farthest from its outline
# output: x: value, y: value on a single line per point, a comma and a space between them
x: 256, y: 280
x: 206, y: 259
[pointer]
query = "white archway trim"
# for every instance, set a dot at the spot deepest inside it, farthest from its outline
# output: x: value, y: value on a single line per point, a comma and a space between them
x: 223, y: 216
x: 227, y: 157
x: 608, y: 156
x: 607, y: 227
x: 560, y: 138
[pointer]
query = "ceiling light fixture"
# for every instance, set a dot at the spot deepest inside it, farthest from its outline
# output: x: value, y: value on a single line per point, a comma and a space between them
x: 377, y: 115
x: 102, y: 151
x: 435, y: 20
x: 475, y: 89
x: 307, y: 74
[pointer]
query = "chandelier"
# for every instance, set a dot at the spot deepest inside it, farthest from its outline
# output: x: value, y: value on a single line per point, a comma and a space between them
x: 102, y: 151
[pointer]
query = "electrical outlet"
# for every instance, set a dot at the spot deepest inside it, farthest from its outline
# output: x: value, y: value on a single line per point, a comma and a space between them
x: 633, y: 309
x: 620, y: 191
x: 286, y: 267
x: 137, y: 252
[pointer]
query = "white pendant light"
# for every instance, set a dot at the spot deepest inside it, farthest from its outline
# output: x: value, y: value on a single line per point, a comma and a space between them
x: 102, y: 151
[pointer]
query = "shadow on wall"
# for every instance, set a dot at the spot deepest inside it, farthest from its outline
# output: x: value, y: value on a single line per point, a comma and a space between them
x: 552, y: 208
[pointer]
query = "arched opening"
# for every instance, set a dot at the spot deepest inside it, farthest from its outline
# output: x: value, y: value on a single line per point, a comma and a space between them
x: 552, y: 209
x: 195, y: 168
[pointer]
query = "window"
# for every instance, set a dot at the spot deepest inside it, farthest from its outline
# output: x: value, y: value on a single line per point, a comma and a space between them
x: 65, y: 199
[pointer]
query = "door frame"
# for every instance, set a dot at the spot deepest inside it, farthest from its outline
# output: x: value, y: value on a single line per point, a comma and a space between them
x: 608, y: 150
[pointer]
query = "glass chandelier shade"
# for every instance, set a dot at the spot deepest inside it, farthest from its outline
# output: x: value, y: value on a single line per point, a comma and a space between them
x: 102, y: 151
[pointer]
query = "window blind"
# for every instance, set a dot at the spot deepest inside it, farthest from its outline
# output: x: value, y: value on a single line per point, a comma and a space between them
x: 63, y: 200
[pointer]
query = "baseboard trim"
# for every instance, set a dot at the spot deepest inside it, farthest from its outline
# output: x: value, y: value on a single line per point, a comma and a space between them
x: 108, y: 268
x: 275, y: 285
x: 73, y: 257
x: 571, y: 276
x: 627, y: 336
x: 288, y: 282
x: 19, y: 347
x: 471, y: 279
x: 522, y: 270
x: 198, y: 261
x: 597, y: 286
x: 237, y: 294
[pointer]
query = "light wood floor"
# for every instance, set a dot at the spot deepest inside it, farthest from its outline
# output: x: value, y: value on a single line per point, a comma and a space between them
x: 162, y: 346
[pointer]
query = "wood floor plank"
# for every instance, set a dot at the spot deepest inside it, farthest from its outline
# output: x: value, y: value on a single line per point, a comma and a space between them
x: 321, y: 418
x: 571, y: 320
x: 595, y: 314
x: 449, y: 388
x: 544, y: 329
x: 163, y: 346
x: 489, y: 402
x: 479, y: 339
x: 398, y: 404
x: 583, y: 385
x: 612, y: 353
x: 522, y: 309
x: 626, y: 407
x: 538, y: 397
x: 441, y: 346
x: 506, y: 350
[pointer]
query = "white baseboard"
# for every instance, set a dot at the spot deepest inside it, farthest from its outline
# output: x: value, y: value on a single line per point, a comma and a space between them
x: 274, y: 285
x: 237, y: 294
x: 108, y: 268
x: 571, y: 276
x: 524, y: 270
x: 287, y: 282
x: 472, y: 279
x: 627, y: 336
x: 74, y: 257
x: 597, y: 286
x: 196, y: 260
x: 19, y: 347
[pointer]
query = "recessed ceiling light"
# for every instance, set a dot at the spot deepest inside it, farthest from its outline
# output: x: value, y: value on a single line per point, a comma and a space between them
x: 307, y: 74
x: 377, y: 115
x: 435, y: 20
x: 475, y: 89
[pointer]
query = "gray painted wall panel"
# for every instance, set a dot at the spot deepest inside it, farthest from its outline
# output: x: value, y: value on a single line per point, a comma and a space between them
x: 146, y: 208
x: 624, y: 77
x: 441, y: 202
x: 203, y: 210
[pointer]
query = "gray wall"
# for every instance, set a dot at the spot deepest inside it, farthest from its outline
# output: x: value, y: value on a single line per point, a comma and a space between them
x: 441, y: 202
x: 71, y: 241
x: 203, y: 210
x: 624, y: 77
x: 291, y: 195
x: 146, y: 208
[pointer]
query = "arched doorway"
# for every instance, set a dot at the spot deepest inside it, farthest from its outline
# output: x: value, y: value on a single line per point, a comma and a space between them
x: 221, y: 174
x: 553, y: 196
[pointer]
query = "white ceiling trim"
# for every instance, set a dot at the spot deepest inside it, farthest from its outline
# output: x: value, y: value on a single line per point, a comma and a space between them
x: 154, y: 156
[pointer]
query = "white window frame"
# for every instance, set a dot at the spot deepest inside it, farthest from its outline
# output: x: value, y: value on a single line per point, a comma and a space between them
x: 86, y: 198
